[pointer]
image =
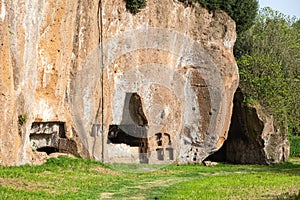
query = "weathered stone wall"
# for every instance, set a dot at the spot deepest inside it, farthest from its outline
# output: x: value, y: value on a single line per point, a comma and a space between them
x: 253, y: 137
x: 41, y: 50
x: 76, y: 62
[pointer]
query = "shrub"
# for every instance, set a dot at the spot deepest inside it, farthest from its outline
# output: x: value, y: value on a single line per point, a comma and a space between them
x: 134, y: 6
x: 243, y: 12
x: 22, y: 119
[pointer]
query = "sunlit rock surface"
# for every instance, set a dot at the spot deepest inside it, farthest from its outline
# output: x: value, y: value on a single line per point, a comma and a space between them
x: 155, y: 87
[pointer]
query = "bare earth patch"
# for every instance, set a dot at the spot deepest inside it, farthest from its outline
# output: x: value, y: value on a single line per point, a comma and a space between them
x: 105, y: 171
x: 106, y: 195
x: 18, y: 184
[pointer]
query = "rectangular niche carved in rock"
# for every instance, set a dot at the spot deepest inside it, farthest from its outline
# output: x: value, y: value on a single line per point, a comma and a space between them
x: 96, y: 130
x: 170, y: 153
x: 164, y: 147
x: 57, y: 128
x: 46, y: 136
x: 119, y: 136
x: 160, y: 154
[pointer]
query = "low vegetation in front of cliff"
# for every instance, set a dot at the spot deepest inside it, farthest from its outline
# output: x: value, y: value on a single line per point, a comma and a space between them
x: 74, y: 178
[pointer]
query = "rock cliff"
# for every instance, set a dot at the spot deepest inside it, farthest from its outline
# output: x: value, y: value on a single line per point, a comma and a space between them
x: 253, y: 137
x: 91, y: 79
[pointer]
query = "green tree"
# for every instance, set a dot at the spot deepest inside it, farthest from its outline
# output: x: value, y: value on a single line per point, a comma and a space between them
x: 243, y: 12
x: 134, y: 6
x: 268, y: 56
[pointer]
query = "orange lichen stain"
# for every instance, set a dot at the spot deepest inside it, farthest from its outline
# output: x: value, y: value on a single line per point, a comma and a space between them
x: 220, y: 142
x: 38, y: 119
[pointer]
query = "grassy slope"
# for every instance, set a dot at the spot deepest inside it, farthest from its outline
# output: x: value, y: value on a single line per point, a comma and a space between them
x: 295, y: 145
x: 68, y: 178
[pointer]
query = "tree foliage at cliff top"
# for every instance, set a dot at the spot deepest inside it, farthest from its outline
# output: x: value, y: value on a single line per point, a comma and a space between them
x: 243, y: 12
x: 268, y: 56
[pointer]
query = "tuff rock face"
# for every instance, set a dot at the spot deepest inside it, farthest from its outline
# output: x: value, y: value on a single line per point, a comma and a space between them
x: 253, y: 137
x: 91, y: 79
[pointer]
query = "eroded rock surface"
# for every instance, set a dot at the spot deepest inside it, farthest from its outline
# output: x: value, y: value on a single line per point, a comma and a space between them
x: 253, y: 137
x: 155, y: 87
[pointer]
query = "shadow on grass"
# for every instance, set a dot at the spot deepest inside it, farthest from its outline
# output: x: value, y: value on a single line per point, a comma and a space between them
x: 287, y: 168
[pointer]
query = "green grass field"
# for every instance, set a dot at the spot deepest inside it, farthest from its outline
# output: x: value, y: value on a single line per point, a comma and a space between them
x: 69, y: 178
x: 295, y: 146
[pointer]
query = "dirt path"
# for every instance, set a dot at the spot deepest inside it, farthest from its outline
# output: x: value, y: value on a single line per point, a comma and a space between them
x: 141, y: 189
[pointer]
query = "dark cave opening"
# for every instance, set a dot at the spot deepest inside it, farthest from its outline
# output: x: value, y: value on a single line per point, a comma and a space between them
x: 118, y: 136
x: 48, y: 150
x: 236, y: 134
x: 51, y: 137
x: 244, y: 143
x: 132, y: 130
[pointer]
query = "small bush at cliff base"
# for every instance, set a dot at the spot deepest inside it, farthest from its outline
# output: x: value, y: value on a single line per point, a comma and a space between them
x: 134, y: 6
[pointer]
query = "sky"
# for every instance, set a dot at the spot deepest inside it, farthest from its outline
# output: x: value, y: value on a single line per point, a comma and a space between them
x: 287, y: 7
